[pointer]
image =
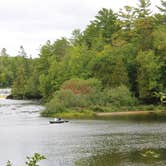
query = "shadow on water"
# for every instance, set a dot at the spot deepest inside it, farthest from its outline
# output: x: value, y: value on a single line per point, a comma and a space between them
x: 145, y: 157
x: 150, y: 117
x: 118, y: 141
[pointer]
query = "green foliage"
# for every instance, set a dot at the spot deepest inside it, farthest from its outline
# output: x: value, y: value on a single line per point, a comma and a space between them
x: 4, y: 52
x: 119, y: 75
x: 75, y: 93
x: 125, y: 48
x: 148, y: 73
x: 76, y: 114
x: 106, y: 21
x: 144, y: 28
x: 150, y: 154
x: 110, y: 68
x: 31, y: 161
x: 53, y: 107
x: 127, y: 15
x: 9, y: 163
x: 161, y: 96
x: 160, y: 38
x: 143, y: 8
x: 80, y: 86
x: 76, y: 38
x: 22, y: 75
x: 119, y: 96
x: 7, y: 70
x: 163, y: 7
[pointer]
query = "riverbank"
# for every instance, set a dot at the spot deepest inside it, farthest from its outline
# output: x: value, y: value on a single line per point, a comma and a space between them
x: 156, y: 112
x: 129, y: 113
x: 134, y: 115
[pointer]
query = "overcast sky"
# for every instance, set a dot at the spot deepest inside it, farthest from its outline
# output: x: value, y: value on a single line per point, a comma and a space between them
x: 32, y: 22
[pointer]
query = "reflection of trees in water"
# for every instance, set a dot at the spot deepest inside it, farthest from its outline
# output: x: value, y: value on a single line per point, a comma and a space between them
x: 100, y: 160
x: 116, y: 158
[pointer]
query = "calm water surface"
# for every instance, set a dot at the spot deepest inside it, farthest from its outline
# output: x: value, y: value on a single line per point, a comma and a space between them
x: 79, y: 142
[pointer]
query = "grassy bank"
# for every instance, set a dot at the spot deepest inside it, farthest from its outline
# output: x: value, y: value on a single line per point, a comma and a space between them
x: 134, y: 115
x: 72, y: 114
x: 109, y: 112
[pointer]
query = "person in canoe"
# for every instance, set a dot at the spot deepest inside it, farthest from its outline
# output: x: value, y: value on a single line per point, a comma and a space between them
x: 58, y: 120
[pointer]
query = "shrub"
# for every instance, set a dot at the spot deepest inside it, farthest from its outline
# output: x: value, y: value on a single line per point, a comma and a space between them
x: 31, y: 161
x: 86, y: 92
x: 74, y: 93
x: 66, y: 97
x: 77, y: 93
x: 119, y: 96
x: 80, y: 86
x: 53, y: 107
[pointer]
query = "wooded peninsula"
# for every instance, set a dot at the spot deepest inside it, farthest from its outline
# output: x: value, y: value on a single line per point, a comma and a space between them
x: 118, y: 63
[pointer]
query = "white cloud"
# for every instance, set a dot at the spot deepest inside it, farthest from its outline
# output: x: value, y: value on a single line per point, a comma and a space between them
x: 32, y: 22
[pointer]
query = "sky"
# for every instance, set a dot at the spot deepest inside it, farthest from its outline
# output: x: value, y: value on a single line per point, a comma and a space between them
x: 32, y: 22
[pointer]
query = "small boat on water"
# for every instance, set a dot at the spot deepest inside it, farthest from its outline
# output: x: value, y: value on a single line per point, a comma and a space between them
x: 58, y: 120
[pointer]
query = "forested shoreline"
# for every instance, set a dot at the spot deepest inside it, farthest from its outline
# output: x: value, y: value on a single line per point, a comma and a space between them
x: 119, y: 60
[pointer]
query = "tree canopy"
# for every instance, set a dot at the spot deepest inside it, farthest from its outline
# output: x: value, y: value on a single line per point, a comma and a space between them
x: 125, y: 48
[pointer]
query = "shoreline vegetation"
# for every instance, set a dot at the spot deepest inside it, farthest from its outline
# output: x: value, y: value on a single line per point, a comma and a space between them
x: 129, y: 115
x: 85, y: 99
x: 117, y: 63
x: 152, y: 112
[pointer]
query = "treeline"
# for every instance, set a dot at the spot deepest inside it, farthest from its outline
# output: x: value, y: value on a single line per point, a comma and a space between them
x: 125, y: 49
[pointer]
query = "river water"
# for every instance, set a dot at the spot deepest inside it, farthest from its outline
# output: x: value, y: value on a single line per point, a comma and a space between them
x: 79, y: 142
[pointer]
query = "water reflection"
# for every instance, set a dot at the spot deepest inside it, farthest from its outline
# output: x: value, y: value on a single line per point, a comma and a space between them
x: 79, y: 142
x: 132, y: 158
x: 151, y: 117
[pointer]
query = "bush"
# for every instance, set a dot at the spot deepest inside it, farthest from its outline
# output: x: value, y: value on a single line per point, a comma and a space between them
x: 66, y: 97
x: 73, y: 96
x: 31, y: 161
x: 80, y: 86
x: 119, y: 96
x: 74, y: 93
x: 53, y: 107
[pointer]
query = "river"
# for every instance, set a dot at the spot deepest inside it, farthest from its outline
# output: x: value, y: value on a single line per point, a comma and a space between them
x: 79, y: 142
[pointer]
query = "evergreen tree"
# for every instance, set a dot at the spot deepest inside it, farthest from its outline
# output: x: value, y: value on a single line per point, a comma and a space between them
x: 148, y: 74
x: 119, y: 76
x: 22, y: 52
x: 143, y: 9
x: 4, y: 52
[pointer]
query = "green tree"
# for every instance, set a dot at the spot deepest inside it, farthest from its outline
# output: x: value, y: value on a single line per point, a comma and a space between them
x: 22, y: 52
x: 92, y: 37
x: 33, y: 161
x: 119, y: 75
x: 127, y: 17
x: 76, y: 38
x: 143, y: 9
x: 60, y: 48
x: 159, y: 44
x: 4, y: 52
x: 144, y: 28
x: 161, y: 17
x: 163, y: 7
x: 148, y: 74
x: 106, y: 21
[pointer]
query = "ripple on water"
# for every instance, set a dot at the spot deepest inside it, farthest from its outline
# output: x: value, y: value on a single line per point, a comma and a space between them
x: 86, y: 142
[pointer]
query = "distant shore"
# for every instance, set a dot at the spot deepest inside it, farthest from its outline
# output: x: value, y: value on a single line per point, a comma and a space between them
x: 159, y: 114
x: 124, y: 113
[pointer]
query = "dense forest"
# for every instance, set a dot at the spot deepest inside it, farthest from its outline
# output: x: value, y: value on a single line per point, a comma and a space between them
x: 119, y: 59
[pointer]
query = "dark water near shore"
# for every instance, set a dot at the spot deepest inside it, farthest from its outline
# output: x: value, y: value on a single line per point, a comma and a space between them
x: 79, y: 142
